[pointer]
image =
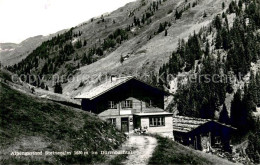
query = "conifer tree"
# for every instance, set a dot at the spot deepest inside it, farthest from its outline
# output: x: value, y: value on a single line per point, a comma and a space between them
x: 223, y: 116
x: 84, y: 43
x: 225, y: 38
x: 178, y: 14
x: 248, y: 106
x: 253, y: 147
x: 205, y: 14
x: 58, y: 88
x: 235, y: 110
x: 207, y: 48
x: 258, y: 89
x: 121, y: 59
x: 223, y: 5
x: 218, y: 23
x: 161, y: 28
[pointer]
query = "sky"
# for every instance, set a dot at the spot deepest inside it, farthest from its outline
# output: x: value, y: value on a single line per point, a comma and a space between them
x: 21, y: 19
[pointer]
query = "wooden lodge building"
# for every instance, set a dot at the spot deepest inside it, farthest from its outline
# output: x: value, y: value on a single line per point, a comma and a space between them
x: 129, y: 104
x: 202, y: 134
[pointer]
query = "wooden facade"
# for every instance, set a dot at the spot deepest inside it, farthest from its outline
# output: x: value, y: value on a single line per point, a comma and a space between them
x: 160, y: 123
x: 202, y: 134
x: 121, y: 101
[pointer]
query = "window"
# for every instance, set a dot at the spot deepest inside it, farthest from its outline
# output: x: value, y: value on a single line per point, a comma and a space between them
x: 127, y: 104
x: 157, y: 121
x: 112, y: 121
x: 112, y: 105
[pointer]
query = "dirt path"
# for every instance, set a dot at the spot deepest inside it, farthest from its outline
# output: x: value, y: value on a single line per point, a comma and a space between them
x: 143, y: 149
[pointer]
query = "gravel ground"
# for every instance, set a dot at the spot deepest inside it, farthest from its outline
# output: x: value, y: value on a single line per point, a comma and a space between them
x: 144, y: 147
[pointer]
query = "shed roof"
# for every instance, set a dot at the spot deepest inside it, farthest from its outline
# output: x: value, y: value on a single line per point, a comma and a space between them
x: 186, y: 124
x: 107, y: 86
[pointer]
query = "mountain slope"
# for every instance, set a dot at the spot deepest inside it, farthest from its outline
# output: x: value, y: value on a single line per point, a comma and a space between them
x: 146, y: 55
x: 11, y: 53
x: 135, y: 32
x: 31, y: 124
x: 17, y: 52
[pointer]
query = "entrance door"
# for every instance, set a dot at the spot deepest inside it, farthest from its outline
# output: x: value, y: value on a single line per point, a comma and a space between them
x: 124, y: 124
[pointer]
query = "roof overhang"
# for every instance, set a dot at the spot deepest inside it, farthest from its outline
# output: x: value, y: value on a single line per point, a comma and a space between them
x: 90, y: 96
x: 153, y: 114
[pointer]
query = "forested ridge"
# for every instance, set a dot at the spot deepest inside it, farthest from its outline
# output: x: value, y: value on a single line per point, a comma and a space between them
x: 229, y: 53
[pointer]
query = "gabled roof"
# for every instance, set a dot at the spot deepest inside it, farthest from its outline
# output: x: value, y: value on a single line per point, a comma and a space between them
x: 107, y: 86
x: 186, y: 124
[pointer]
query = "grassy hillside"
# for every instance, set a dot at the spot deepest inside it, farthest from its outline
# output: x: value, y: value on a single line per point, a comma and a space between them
x: 30, y: 124
x: 170, y: 152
